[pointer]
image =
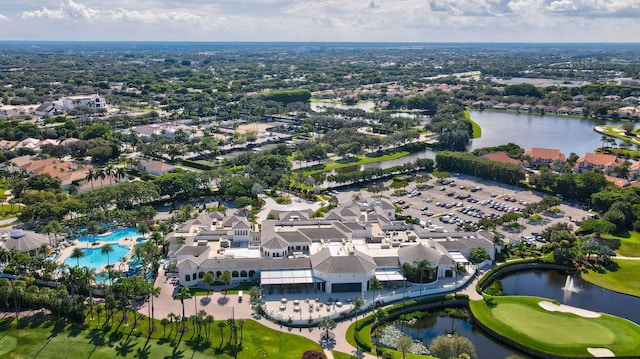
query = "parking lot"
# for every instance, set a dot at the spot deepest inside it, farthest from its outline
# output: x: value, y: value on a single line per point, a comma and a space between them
x: 465, y: 200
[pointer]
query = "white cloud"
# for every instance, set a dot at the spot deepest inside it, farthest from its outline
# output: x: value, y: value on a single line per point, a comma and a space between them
x: 562, y: 5
x: 3, y: 18
x: 76, y: 10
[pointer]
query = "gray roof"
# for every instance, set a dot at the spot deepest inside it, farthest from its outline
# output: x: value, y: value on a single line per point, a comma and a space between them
x: 275, y: 243
x: 418, y: 252
x: 25, y: 240
x: 194, y: 251
x: 316, y: 234
x: 285, y: 263
x: 230, y: 263
x: 359, y: 262
x: 386, y: 261
x: 466, y: 243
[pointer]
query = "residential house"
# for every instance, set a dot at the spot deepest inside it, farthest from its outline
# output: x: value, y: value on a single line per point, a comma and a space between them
x: 598, y: 161
x: 47, y: 109
x: 577, y: 111
x: 610, y: 98
x: 562, y: 111
x: 514, y: 106
x: 544, y: 156
x: 631, y: 100
x: 73, y: 102
x: 578, y: 98
x: 156, y: 168
x: 501, y: 157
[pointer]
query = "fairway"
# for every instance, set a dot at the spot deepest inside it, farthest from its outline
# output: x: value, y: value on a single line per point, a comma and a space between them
x: 624, y: 280
x: 523, y: 320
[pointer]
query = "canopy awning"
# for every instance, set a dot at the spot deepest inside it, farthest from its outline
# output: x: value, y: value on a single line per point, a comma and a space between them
x: 287, y: 276
x: 388, y: 275
x: 458, y: 257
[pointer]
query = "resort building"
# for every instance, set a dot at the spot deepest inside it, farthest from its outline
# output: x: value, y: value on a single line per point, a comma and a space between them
x: 339, y: 253
x: 544, y: 157
x: 597, y: 161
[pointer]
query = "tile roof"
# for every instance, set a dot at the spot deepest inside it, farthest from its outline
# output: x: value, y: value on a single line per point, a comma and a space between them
x: 546, y: 153
x: 501, y: 157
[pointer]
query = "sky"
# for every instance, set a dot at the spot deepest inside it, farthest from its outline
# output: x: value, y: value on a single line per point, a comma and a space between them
x: 322, y: 20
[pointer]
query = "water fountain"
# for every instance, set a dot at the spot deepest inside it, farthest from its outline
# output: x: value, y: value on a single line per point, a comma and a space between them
x: 569, y: 286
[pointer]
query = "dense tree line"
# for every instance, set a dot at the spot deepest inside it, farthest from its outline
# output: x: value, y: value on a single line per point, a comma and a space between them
x: 476, y: 166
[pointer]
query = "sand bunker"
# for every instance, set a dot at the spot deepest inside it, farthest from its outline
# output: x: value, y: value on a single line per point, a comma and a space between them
x: 546, y: 305
x: 601, y: 352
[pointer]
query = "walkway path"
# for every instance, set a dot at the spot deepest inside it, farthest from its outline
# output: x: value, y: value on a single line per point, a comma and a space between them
x: 223, y: 307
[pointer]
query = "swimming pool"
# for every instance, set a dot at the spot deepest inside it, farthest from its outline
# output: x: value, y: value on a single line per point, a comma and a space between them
x: 114, y: 236
x: 93, y: 258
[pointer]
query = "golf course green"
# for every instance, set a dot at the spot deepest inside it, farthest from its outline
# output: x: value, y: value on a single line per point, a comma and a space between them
x: 558, y: 332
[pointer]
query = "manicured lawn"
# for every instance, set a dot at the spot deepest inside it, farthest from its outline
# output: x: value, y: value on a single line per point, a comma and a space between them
x: 565, y: 334
x: 626, y: 243
x: 362, y: 159
x: 477, y: 130
x: 33, y: 338
x: 624, y: 280
x: 341, y: 355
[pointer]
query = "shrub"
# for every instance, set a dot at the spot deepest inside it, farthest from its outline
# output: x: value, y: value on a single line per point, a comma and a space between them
x: 313, y: 354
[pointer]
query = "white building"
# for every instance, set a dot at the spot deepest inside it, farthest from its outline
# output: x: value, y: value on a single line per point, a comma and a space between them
x: 339, y: 253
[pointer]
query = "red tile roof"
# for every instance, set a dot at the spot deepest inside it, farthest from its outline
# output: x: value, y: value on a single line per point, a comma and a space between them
x: 546, y: 154
x: 502, y: 157
x: 599, y: 159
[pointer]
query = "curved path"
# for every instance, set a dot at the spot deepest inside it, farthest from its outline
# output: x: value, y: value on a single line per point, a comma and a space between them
x: 223, y: 307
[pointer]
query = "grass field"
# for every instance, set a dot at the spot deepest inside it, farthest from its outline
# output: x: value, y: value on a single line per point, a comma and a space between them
x: 39, y: 338
x: 625, y: 243
x: 624, y: 279
x: 565, y: 334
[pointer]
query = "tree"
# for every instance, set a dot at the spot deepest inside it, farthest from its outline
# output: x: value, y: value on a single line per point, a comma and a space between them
x: 77, y: 253
x: 183, y: 293
x: 208, y: 280
x: 106, y: 249
x: 93, y: 228
x: 422, y: 266
x: 226, y: 279
x: 478, y: 255
x: 375, y: 285
x: 327, y: 324
x: 453, y: 346
x: 357, y: 304
x: 154, y: 292
x: 403, y: 344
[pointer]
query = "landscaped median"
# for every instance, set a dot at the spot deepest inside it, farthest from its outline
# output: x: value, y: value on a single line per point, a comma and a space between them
x: 546, y: 327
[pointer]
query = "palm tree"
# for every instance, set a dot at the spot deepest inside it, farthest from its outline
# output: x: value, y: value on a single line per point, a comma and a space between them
x: 183, y: 293
x: 154, y: 292
x: 143, y: 229
x: 208, y: 280
x: 92, y: 228
x: 106, y: 249
x: 208, y: 321
x: 327, y: 324
x: 109, y: 171
x: 240, y: 326
x: 77, y: 253
x: 101, y: 174
x: 422, y: 266
x: 226, y: 279
x: 375, y: 285
x: 91, y: 176
x: 221, y: 325
x: 120, y: 173
x: 357, y: 304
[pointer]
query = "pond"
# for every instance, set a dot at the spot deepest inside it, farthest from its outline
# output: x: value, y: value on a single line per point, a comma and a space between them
x: 551, y: 284
x: 539, y: 283
x: 427, y: 328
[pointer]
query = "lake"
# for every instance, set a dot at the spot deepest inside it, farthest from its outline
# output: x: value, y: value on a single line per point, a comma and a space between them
x: 565, y: 133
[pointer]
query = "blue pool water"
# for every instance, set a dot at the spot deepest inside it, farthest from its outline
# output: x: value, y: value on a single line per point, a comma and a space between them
x: 93, y: 258
x: 114, y: 236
